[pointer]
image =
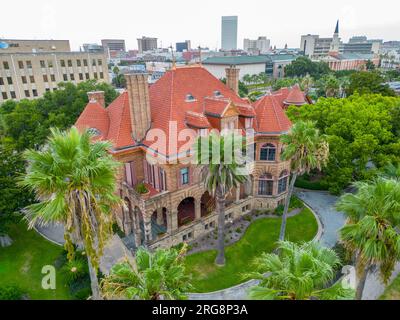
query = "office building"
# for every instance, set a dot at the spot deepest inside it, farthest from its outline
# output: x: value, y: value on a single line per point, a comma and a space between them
x: 183, y: 46
x: 113, y: 45
x: 29, y: 75
x: 147, y: 44
x: 229, y: 30
x: 16, y: 45
x: 255, y: 47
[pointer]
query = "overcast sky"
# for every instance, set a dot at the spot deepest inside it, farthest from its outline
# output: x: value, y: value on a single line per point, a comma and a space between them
x: 89, y: 21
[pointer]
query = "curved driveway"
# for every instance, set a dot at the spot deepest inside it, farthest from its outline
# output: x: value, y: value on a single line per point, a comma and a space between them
x: 323, y: 204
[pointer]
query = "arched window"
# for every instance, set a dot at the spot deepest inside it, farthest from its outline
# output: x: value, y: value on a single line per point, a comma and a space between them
x: 268, y: 152
x: 265, y: 185
x: 282, y: 182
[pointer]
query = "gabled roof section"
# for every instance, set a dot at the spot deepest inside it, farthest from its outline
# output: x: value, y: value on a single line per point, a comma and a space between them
x: 271, y: 119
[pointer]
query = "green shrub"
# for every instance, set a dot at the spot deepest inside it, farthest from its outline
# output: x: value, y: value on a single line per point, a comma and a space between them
x: 11, y: 293
x: 238, y: 230
x: 295, y: 203
x: 75, y: 269
x: 141, y: 188
x: 247, y: 218
x: 304, y: 183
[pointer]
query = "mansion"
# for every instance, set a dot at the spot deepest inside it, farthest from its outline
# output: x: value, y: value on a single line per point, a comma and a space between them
x: 175, y: 206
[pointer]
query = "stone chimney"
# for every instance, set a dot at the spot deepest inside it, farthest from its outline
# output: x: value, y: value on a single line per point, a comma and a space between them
x: 139, y: 101
x: 97, y: 96
x: 232, y: 78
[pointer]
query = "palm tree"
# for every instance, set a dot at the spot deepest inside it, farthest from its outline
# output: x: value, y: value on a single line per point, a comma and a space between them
x: 221, y: 170
x: 299, y: 272
x: 307, y: 149
x: 370, y: 234
x: 155, y: 275
x: 306, y: 83
x: 74, y: 180
x: 392, y: 171
x: 247, y: 78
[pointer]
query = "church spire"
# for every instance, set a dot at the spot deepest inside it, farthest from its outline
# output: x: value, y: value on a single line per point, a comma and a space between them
x: 337, y: 27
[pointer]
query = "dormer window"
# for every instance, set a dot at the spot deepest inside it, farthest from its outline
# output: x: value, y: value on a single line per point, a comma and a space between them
x: 217, y: 93
x: 190, y: 98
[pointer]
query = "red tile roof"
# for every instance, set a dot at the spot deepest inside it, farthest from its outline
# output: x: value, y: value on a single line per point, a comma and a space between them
x: 295, y: 97
x: 168, y: 102
x: 271, y: 118
x: 197, y: 120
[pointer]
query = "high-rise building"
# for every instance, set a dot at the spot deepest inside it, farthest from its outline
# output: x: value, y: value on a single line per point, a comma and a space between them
x: 259, y: 46
x: 147, y: 44
x: 229, y: 30
x: 27, y: 75
x: 181, y: 46
x: 113, y: 45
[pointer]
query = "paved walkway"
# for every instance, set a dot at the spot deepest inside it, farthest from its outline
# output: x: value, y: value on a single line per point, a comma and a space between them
x: 323, y: 204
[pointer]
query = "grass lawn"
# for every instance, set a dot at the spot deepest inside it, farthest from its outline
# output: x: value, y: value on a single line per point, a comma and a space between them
x: 259, y: 237
x: 392, y: 292
x: 22, y: 262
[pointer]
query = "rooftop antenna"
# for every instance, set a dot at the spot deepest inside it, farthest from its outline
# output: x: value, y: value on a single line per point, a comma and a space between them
x: 173, y: 57
x: 200, y: 55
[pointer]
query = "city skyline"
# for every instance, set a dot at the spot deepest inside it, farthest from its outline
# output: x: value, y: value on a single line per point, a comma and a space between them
x: 255, y: 19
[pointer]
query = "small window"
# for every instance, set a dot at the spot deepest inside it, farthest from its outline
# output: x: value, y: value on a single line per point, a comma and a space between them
x: 268, y: 152
x: 20, y: 64
x: 9, y: 80
x: 85, y: 62
x: 69, y: 63
x: 87, y: 76
x: 65, y: 77
x: 78, y: 63
x: 101, y: 75
x: 47, y: 89
x: 27, y: 94
x: 24, y: 81
x: 282, y: 182
x: 29, y: 64
x: 62, y: 62
x: 45, y: 78
x: 217, y: 93
x: 50, y: 64
x: 189, y: 97
x: 184, y: 176
x: 32, y: 79
x: 5, y: 65
x: 81, y: 76
x: 42, y: 64
x: 1, y: 81
x: 72, y: 77
x: 34, y: 92
x: 13, y: 95
x: 94, y: 62
x: 4, y: 94
x: 95, y: 75
x: 53, y: 78
x: 100, y: 62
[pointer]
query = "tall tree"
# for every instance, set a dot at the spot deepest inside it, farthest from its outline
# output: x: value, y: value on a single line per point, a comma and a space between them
x: 221, y: 159
x: 299, y: 272
x: 74, y: 180
x: 154, y: 276
x: 307, y: 149
x: 370, y: 233
x: 365, y: 82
